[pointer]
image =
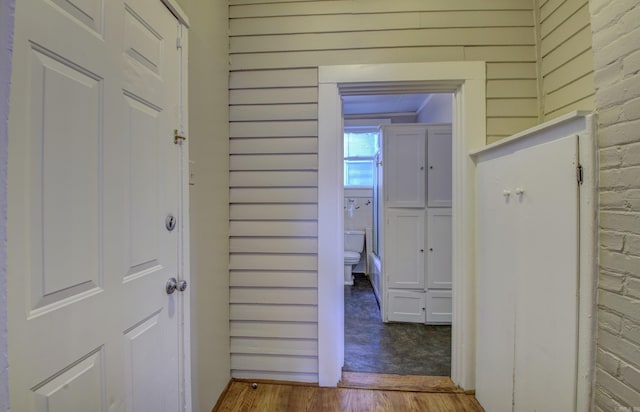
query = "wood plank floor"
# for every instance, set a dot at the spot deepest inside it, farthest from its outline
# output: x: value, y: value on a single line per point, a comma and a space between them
x: 274, y: 397
x: 408, y: 383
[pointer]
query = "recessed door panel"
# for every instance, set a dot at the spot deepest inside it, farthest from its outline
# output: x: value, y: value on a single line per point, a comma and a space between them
x: 65, y: 147
x: 404, y: 252
x: 439, y: 248
x: 78, y: 387
x: 404, y: 166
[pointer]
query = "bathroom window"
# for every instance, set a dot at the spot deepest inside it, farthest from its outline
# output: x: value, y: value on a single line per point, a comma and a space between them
x: 360, y: 148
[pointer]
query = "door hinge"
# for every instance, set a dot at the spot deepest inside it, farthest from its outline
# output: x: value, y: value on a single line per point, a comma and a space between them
x: 178, y: 42
x: 579, y: 174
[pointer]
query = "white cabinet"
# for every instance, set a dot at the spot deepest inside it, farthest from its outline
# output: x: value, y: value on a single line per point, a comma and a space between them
x: 439, y: 248
x: 439, y: 306
x: 404, y: 251
x: 406, y: 306
x: 528, y: 277
x: 439, y: 173
x: 404, y: 151
x: 403, y: 190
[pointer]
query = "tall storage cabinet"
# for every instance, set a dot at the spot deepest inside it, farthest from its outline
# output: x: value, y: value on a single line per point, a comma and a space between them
x: 528, y: 274
x: 412, y: 222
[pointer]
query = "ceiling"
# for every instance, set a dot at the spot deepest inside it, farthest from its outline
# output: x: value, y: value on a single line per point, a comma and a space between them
x: 385, y: 103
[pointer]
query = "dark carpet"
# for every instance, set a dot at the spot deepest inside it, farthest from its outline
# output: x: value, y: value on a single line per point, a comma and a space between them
x: 396, y: 348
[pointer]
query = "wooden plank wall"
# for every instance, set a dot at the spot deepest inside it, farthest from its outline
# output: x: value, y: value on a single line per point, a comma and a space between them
x: 566, y: 58
x: 275, y: 49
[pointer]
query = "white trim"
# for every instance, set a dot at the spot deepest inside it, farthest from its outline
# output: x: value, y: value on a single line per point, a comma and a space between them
x: 177, y: 11
x: 588, y: 263
x: 467, y: 81
x: 184, y: 234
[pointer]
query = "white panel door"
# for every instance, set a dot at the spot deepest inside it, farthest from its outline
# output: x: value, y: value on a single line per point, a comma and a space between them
x: 404, y: 165
x: 439, y: 307
x: 439, y: 168
x: 404, y: 249
x: 406, y: 306
x: 93, y: 171
x: 439, y: 247
x: 495, y: 285
x: 546, y: 304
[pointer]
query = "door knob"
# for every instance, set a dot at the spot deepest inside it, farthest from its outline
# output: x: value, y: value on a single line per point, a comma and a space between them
x: 171, y: 286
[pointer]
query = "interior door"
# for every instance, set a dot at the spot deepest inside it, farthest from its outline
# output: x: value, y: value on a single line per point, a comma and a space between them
x: 93, y: 173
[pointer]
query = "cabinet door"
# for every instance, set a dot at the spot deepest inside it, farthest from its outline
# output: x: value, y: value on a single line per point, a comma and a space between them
x: 404, y: 166
x: 439, y: 307
x: 439, y: 248
x: 439, y: 172
x: 495, y: 285
x: 547, y: 268
x: 406, y: 306
x: 404, y: 248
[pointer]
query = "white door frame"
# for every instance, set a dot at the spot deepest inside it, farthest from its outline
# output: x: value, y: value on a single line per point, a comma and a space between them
x: 184, y: 346
x: 466, y: 80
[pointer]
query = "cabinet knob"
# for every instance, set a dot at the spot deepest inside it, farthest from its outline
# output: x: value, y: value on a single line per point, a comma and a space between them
x: 421, y: 167
x: 421, y: 250
x: 430, y: 249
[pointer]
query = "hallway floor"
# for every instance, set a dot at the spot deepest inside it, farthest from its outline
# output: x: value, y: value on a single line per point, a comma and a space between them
x: 394, y: 348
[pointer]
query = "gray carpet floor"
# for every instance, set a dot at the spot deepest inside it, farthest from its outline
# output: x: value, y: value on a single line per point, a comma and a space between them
x: 396, y: 348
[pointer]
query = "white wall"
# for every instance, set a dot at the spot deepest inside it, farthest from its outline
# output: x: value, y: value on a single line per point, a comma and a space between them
x: 209, y: 148
x: 438, y: 109
x: 6, y: 33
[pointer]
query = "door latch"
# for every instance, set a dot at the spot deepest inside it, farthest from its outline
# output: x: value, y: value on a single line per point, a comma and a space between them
x: 177, y: 137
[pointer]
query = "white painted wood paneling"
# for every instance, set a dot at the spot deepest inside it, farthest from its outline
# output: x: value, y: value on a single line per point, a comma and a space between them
x: 275, y: 50
x: 566, y: 63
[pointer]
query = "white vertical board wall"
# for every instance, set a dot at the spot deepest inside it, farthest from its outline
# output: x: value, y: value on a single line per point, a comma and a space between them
x: 528, y: 276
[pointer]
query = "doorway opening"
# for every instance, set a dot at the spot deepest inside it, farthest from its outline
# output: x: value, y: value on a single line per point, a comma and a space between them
x: 397, y: 221
x: 466, y: 81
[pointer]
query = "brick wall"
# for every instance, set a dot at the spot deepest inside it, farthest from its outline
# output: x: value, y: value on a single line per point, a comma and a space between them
x: 616, y: 47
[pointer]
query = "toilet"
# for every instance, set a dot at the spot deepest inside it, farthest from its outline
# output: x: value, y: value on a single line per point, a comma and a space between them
x: 353, y: 245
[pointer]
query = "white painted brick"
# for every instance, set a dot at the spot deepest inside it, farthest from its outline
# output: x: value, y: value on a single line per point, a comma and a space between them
x: 626, y: 200
x: 605, y: 402
x: 610, y: 157
x: 623, y: 393
x: 632, y: 244
x: 631, y: 155
x: 630, y: 376
x: 607, y: 362
x: 628, y: 306
x: 623, y: 178
x: 612, y: 282
x: 612, y: 240
x: 619, y: 221
x: 631, y: 63
x: 603, y: 37
x: 610, y: 13
x: 631, y: 109
x: 608, y: 75
x: 621, y: 263
x: 609, y: 321
x: 620, y: 133
x: 618, y: 48
x: 618, y: 93
x: 631, y: 331
x: 633, y: 288
x: 610, y: 115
